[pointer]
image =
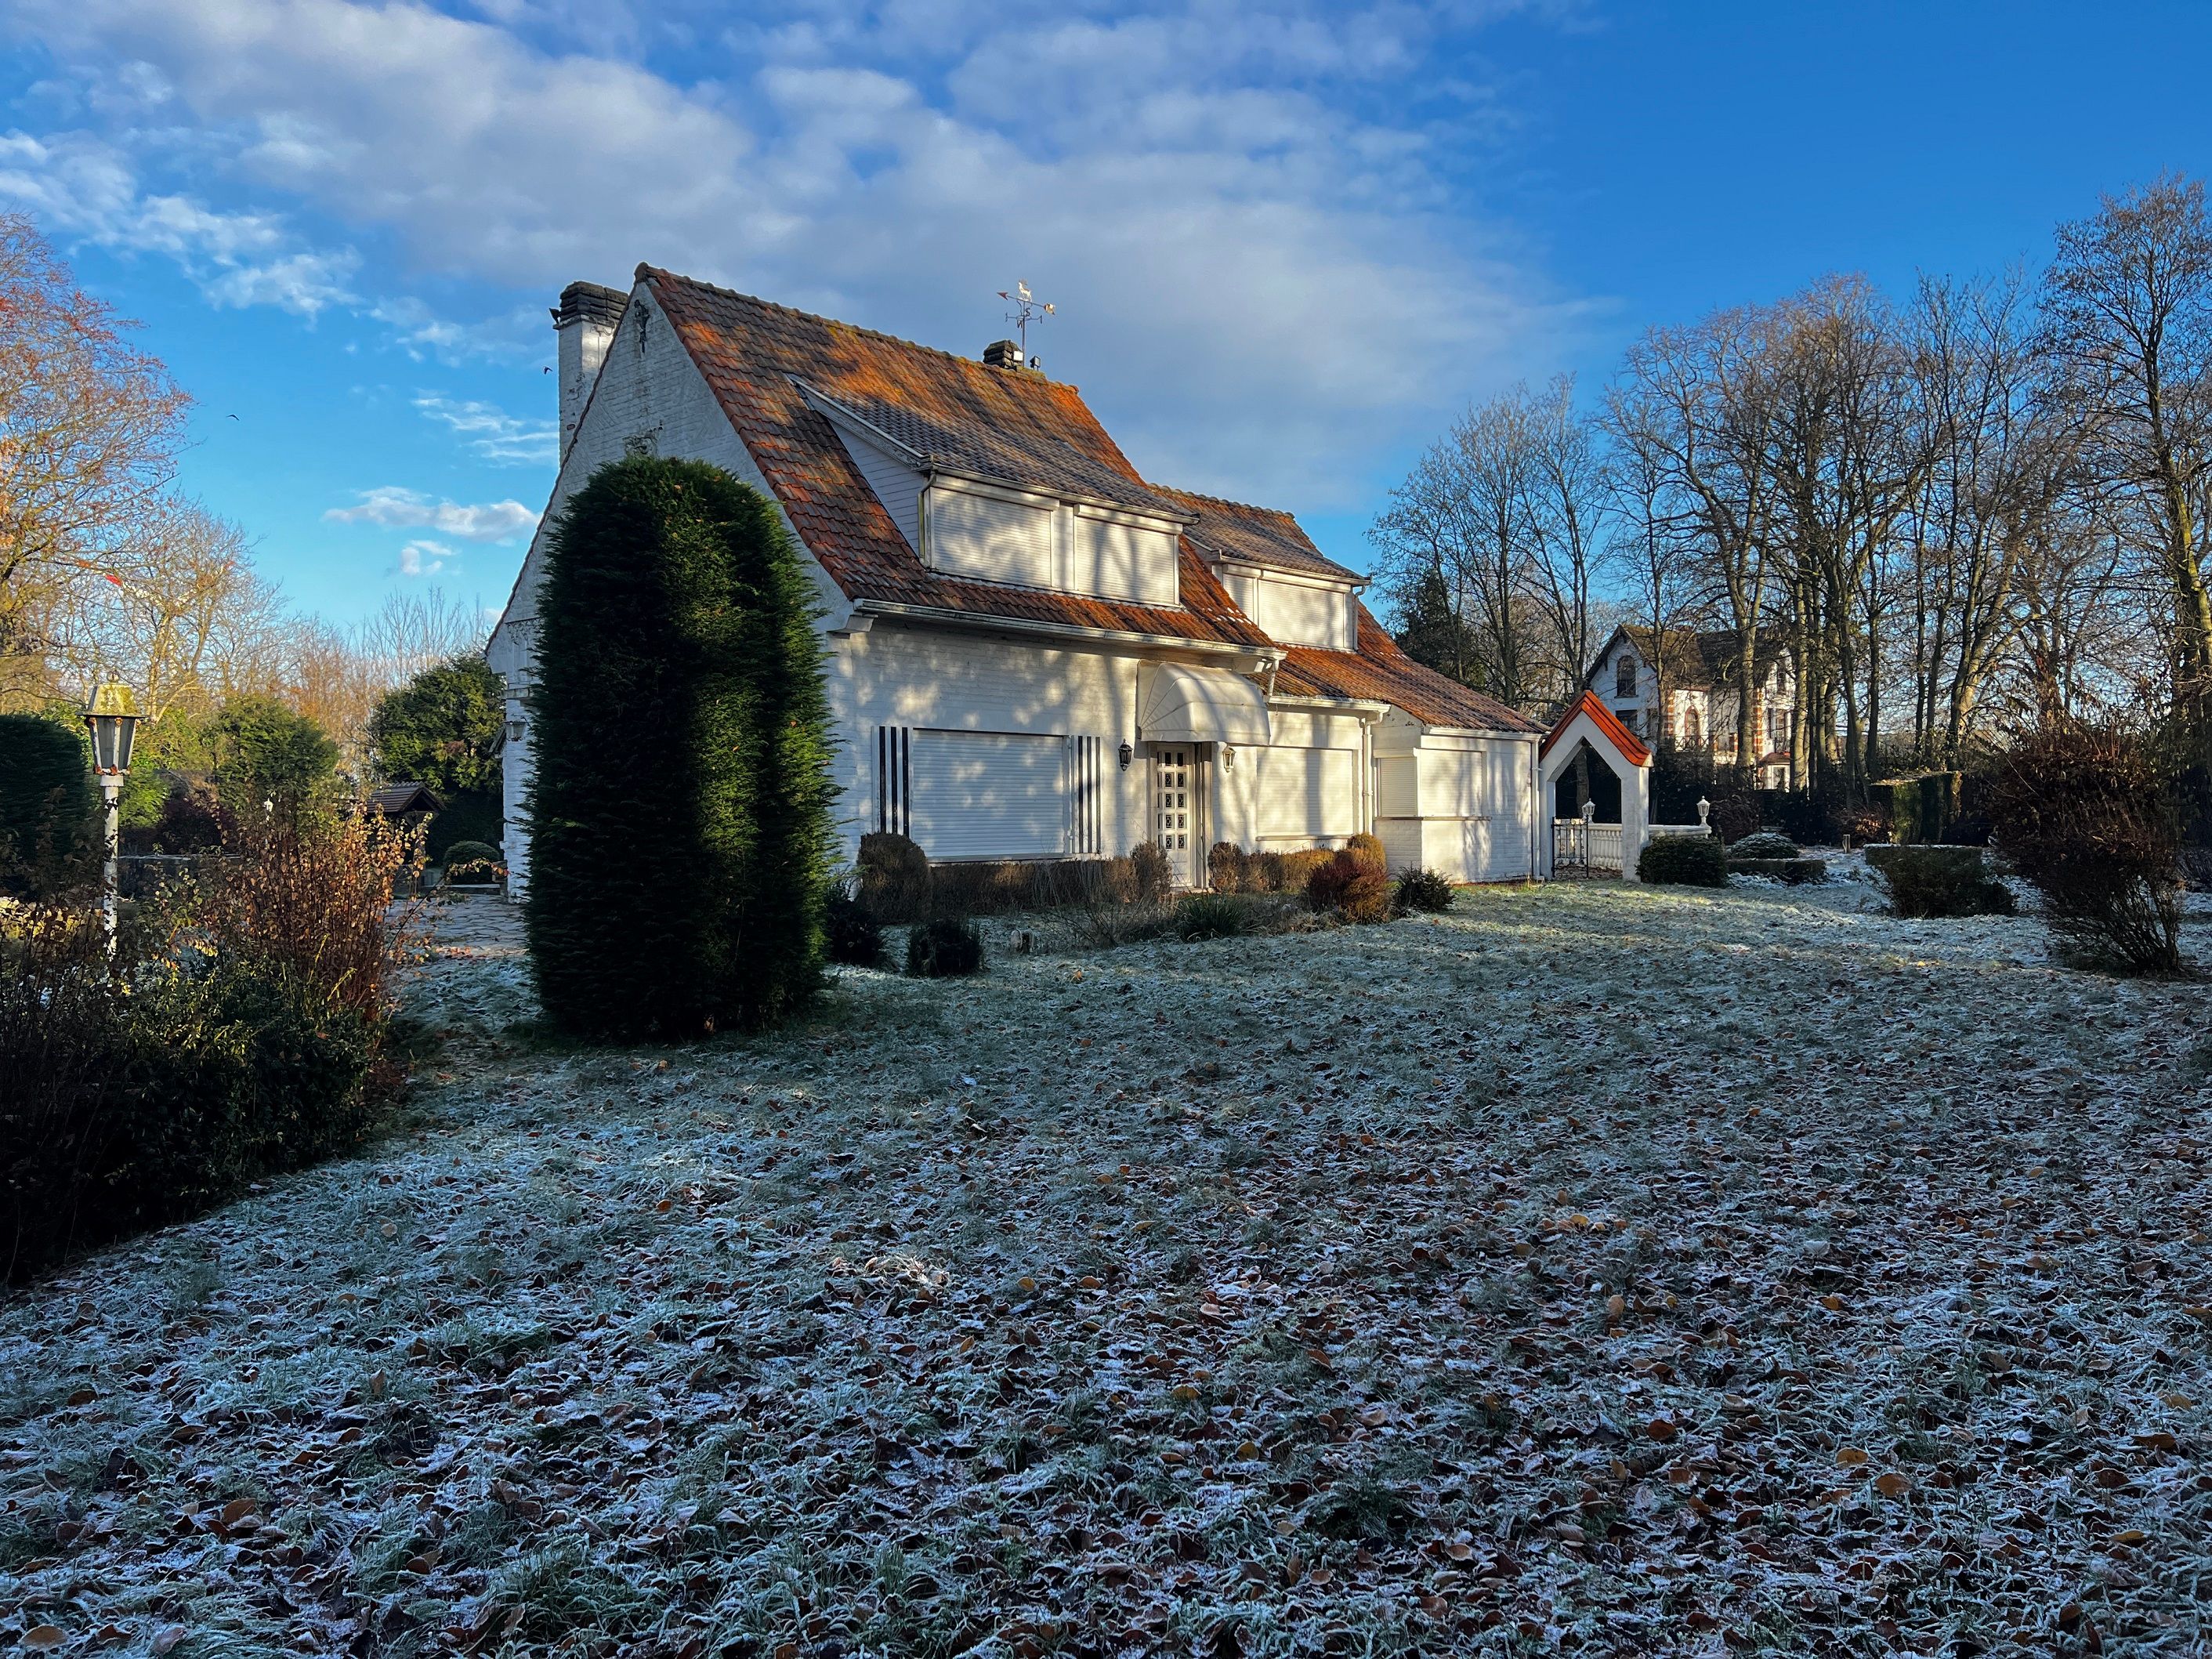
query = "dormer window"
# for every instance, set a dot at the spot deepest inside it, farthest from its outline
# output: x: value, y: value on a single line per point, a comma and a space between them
x: 1624, y: 676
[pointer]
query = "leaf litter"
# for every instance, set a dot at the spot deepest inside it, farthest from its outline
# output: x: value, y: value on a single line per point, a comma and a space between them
x: 1590, y: 1269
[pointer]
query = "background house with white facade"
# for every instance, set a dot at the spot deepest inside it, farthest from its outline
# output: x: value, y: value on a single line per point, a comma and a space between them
x: 1694, y: 703
x: 1031, y: 650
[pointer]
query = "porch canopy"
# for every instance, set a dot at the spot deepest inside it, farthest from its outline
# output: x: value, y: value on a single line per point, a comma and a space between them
x: 1179, y: 703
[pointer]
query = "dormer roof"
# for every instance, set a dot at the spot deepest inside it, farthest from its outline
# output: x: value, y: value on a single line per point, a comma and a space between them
x: 760, y: 360
x: 1256, y: 536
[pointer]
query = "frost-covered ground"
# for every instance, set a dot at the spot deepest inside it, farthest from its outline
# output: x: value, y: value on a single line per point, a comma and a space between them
x: 1595, y: 1269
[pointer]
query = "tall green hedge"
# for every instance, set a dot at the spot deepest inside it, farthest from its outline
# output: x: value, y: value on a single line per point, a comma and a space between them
x: 679, y: 819
x: 47, y: 801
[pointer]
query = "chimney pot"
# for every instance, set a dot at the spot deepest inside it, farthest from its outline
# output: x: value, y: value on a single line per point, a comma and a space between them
x: 1003, y: 354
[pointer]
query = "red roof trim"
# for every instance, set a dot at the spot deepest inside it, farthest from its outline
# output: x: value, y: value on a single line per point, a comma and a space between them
x: 1631, y: 747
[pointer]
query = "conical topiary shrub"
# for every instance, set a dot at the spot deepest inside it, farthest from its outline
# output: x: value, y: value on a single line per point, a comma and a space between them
x: 679, y: 818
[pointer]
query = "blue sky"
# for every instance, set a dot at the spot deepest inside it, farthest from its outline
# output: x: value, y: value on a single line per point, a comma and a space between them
x: 1288, y: 242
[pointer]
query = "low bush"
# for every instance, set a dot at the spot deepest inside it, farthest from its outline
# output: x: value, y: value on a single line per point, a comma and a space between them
x: 473, y: 861
x: 242, y: 1030
x: 1764, y: 844
x: 895, y: 876
x: 1228, y: 867
x: 1927, y: 883
x: 2087, y: 819
x: 854, y: 937
x: 1212, y: 915
x: 1683, y: 861
x: 1423, y: 890
x: 1350, y: 885
x: 1369, y: 849
x: 944, y: 947
x: 1283, y: 872
x: 1154, y: 875
x: 1797, y: 872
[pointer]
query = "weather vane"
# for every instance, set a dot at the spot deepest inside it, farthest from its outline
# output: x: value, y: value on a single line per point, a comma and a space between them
x: 1026, y: 306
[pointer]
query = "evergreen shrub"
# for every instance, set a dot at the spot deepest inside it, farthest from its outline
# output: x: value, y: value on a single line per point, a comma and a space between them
x: 1683, y: 861
x: 49, y: 807
x: 1795, y: 872
x: 1423, y: 890
x: 1928, y: 882
x: 1764, y: 844
x: 854, y: 937
x: 680, y: 832
x: 268, y: 756
x: 473, y: 861
x: 944, y: 947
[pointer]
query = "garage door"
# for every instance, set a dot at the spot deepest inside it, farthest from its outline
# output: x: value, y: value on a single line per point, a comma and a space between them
x: 989, y: 794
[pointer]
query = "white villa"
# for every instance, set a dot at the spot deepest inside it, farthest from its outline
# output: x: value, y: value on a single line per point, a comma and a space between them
x: 1031, y: 650
x: 1697, y: 705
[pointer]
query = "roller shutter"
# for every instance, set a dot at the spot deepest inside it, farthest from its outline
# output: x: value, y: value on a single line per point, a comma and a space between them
x: 989, y: 794
x: 1306, y: 792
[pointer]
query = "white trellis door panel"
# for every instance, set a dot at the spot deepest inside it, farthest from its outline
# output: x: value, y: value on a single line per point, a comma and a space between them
x: 989, y: 794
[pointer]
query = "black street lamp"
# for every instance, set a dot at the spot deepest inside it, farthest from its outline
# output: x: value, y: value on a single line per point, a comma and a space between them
x: 113, y: 714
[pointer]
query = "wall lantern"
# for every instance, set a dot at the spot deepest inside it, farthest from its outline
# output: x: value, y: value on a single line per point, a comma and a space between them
x: 1229, y: 758
x: 1127, y: 754
x: 1703, y: 807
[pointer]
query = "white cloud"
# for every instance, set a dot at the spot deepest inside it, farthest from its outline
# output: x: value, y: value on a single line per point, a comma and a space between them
x: 391, y: 507
x: 1245, y: 214
x: 426, y: 558
x: 85, y: 186
x: 502, y: 438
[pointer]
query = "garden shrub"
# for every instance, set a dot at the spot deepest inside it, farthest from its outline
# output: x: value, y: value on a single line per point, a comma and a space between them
x: 944, y: 947
x: 243, y: 1031
x: 268, y: 756
x: 1350, y: 886
x: 1920, y: 808
x: 442, y: 728
x: 1212, y: 915
x: 1735, y: 816
x: 188, y: 821
x: 894, y: 877
x: 1797, y: 872
x: 1683, y: 861
x: 49, y: 807
x: 1149, y: 860
x: 1285, y: 872
x: 854, y: 937
x: 1764, y: 844
x: 1423, y: 890
x: 1227, y: 866
x: 1927, y: 883
x: 1369, y: 848
x: 473, y: 861
x: 2087, y: 819
x: 675, y: 615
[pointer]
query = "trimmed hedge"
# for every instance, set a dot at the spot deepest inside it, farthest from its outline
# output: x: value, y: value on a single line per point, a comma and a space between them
x: 1933, y: 882
x: 1764, y: 844
x: 1921, y: 809
x: 48, y: 804
x: 672, y: 900
x: 1683, y: 861
x: 1352, y: 885
x: 1797, y: 872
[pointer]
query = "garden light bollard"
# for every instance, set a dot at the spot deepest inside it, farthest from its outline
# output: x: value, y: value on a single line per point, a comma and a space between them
x: 112, y: 718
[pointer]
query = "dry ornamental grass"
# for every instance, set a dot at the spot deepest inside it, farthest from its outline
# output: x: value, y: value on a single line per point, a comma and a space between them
x: 1595, y: 1270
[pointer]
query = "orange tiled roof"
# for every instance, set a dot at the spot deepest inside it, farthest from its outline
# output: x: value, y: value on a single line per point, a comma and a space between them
x: 1254, y: 535
x: 1629, y: 745
x: 1381, y: 672
x: 754, y: 355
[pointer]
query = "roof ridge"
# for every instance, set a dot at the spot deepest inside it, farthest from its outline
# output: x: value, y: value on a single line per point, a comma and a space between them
x: 646, y: 270
x: 1227, y: 500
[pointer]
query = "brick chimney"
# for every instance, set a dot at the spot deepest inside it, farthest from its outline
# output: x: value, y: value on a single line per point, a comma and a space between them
x: 1003, y: 354
x: 585, y: 322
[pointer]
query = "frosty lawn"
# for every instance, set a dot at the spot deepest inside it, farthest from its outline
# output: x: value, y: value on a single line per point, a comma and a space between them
x: 1603, y: 1269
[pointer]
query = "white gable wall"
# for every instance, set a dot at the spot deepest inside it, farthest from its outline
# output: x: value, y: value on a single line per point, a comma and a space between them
x: 1454, y: 802
x: 649, y: 394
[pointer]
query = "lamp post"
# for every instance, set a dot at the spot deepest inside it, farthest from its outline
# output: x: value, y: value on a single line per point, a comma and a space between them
x: 113, y: 714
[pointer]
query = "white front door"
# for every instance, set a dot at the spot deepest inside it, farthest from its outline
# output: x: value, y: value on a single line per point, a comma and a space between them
x: 1177, y: 810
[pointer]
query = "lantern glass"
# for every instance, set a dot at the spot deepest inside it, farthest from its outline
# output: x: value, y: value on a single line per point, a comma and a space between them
x: 113, y: 714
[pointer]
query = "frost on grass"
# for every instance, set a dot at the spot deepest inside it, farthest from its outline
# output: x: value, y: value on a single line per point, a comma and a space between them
x: 1606, y: 1270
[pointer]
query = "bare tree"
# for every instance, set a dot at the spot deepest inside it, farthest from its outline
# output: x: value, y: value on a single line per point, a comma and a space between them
x: 1568, y: 501
x: 2128, y: 327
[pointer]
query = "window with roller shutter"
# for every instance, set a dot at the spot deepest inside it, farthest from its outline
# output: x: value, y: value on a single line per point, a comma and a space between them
x: 1303, y: 793
x: 988, y: 794
x: 992, y: 538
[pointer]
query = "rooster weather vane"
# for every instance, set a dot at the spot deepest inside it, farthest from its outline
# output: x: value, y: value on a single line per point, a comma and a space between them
x: 1027, y: 307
